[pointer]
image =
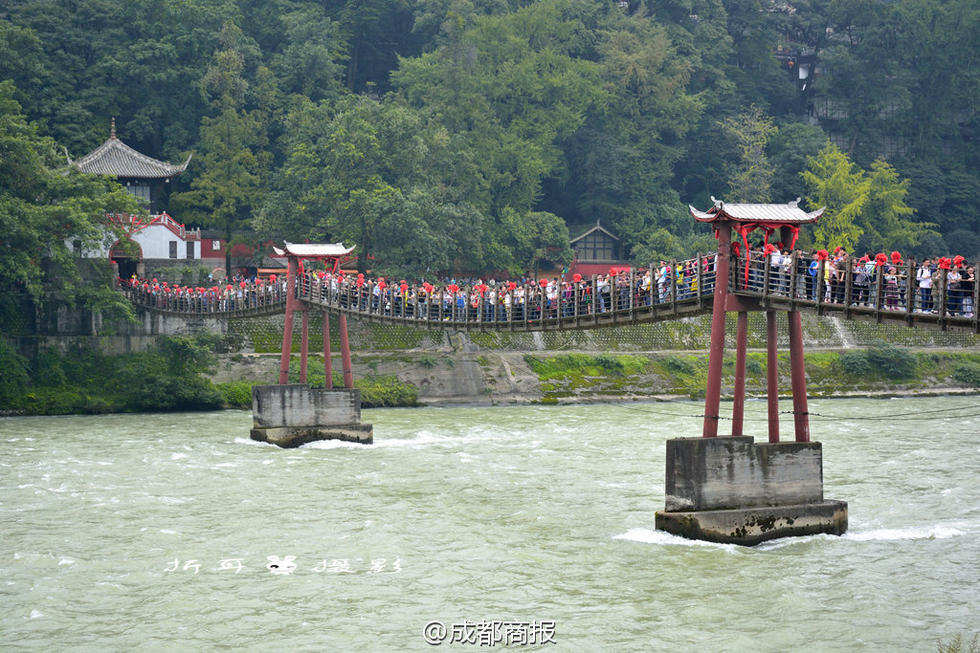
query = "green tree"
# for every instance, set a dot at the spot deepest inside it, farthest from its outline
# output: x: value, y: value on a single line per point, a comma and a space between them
x: 836, y: 183
x: 234, y: 164
x: 751, y: 178
x: 887, y: 220
x: 45, y: 208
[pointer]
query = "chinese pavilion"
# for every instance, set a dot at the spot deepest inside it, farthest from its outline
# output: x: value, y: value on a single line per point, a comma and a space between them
x: 141, y: 175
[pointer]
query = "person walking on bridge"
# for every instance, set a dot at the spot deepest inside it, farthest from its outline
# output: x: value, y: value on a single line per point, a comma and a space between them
x: 924, y: 277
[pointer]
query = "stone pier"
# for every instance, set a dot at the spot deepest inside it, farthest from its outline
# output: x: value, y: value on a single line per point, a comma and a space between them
x: 730, y: 489
x: 294, y: 414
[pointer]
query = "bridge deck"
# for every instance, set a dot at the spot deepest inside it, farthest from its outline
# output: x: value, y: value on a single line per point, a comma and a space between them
x: 589, y: 305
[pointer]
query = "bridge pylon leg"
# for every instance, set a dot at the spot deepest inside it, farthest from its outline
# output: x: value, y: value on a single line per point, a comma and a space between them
x: 772, y: 376
x: 327, y: 364
x: 345, y: 353
x: 801, y: 415
x: 287, y: 332
x: 741, y: 344
x: 304, y: 349
x: 712, y: 395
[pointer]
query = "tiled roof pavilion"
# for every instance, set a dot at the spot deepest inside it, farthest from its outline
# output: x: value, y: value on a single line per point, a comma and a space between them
x: 116, y: 159
x: 775, y: 214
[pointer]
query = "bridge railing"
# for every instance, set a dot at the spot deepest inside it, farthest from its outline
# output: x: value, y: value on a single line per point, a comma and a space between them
x: 858, y: 286
x: 234, y: 301
x: 627, y: 296
x: 887, y: 290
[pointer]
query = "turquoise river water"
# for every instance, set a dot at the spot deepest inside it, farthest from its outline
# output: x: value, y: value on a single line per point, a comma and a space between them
x: 175, y: 532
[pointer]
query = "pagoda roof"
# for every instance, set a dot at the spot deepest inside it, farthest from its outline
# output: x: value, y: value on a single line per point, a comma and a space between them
x: 116, y: 159
x: 782, y: 214
x: 313, y: 250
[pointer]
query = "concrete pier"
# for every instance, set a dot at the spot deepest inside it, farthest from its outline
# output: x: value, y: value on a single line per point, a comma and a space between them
x: 730, y: 489
x: 294, y: 414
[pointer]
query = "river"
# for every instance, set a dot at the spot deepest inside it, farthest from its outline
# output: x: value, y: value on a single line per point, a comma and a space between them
x: 166, y: 532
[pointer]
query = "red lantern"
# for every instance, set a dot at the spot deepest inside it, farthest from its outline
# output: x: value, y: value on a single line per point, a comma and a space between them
x: 822, y: 255
x: 958, y: 260
x: 880, y: 259
x: 241, y: 284
x: 272, y: 277
x: 576, y: 277
x: 896, y: 258
x: 769, y: 249
x: 511, y: 286
x: 944, y: 263
x: 543, y: 282
x: 613, y: 271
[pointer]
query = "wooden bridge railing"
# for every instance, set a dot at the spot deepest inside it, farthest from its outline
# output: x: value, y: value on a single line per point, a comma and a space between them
x: 871, y: 292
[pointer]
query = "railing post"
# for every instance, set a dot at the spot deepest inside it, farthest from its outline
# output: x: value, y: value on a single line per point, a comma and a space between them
x: 595, y: 299
x: 543, y: 304
x: 975, y: 309
x: 699, y: 275
x: 766, y: 274
x: 794, y: 276
x: 848, y: 286
x: 943, y: 298
x: 673, y: 285
x: 821, y: 285
x: 910, y: 290
x: 879, y: 287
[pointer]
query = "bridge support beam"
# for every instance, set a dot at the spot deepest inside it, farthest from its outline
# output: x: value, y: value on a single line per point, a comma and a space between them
x: 304, y: 348
x: 327, y: 364
x: 712, y: 395
x: 772, y: 376
x: 345, y: 353
x: 741, y: 344
x: 801, y: 415
x: 287, y: 332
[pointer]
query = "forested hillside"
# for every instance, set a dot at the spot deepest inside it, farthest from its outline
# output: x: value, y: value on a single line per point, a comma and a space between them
x: 472, y: 135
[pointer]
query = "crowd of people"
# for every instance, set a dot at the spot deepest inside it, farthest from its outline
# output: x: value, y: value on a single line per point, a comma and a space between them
x: 880, y: 280
x: 886, y: 282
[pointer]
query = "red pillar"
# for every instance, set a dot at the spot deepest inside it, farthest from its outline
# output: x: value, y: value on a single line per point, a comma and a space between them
x: 345, y: 353
x: 772, y: 376
x: 304, y: 348
x: 287, y: 332
x: 801, y: 416
x: 327, y: 365
x: 741, y: 344
x: 712, y: 395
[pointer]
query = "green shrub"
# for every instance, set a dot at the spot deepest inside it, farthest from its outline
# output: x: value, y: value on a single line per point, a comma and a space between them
x: 14, y: 378
x: 967, y: 373
x: 386, y: 392
x: 856, y: 363
x: 891, y: 362
x: 677, y: 365
x: 236, y: 394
